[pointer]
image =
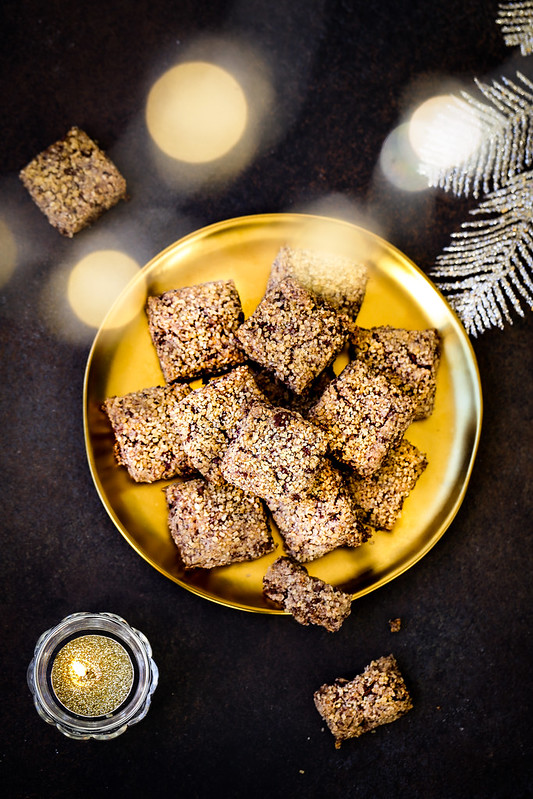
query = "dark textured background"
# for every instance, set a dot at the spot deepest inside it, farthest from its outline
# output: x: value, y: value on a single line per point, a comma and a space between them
x: 233, y: 713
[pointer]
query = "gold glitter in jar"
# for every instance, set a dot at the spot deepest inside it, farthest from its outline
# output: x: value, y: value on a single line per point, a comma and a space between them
x: 92, y: 675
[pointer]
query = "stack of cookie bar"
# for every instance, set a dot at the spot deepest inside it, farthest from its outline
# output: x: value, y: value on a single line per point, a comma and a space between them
x: 272, y: 433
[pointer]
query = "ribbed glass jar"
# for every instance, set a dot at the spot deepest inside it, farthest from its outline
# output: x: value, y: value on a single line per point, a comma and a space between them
x: 143, y: 683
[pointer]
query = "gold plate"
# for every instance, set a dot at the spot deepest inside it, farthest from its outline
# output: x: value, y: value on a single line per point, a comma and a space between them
x: 122, y: 359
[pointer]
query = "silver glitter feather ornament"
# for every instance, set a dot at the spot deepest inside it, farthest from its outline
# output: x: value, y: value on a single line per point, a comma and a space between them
x: 516, y: 20
x: 487, y: 269
x: 505, y: 145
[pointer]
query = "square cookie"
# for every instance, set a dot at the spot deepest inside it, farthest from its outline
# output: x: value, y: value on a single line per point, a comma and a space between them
x: 365, y: 415
x: 337, y: 279
x: 308, y: 599
x: 322, y: 519
x: 375, y: 697
x: 293, y: 334
x: 216, y: 525
x: 381, y: 496
x: 277, y: 393
x: 409, y: 358
x: 193, y: 329
x: 73, y: 182
x: 207, y: 419
x: 146, y: 442
x: 275, y: 454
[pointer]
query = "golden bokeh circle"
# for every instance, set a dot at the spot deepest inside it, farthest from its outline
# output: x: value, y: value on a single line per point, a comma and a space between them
x: 196, y: 112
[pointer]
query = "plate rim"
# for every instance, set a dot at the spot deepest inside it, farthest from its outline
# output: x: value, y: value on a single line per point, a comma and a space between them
x: 267, y: 218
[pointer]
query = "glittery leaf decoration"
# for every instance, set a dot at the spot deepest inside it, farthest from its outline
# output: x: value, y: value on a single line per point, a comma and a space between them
x: 516, y: 20
x: 506, y: 139
x: 487, y: 270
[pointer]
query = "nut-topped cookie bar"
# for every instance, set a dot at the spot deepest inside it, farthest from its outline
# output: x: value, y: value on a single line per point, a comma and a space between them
x: 375, y: 697
x: 337, y: 279
x: 275, y: 454
x: 382, y: 495
x: 323, y: 518
x: 146, y: 442
x: 365, y: 415
x: 308, y: 599
x: 216, y: 525
x: 409, y: 358
x: 207, y: 419
x: 193, y: 329
x: 293, y: 334
x: 73, y: 182
x: 277, y: 393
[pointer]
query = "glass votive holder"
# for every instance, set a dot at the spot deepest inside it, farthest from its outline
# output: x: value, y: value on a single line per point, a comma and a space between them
x: 92, y: 676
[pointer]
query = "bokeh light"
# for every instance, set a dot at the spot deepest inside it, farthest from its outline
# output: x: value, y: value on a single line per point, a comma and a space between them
x: 196, y: 112
x: 399, y: 163
x: 444, y: 131
x: 96, y: 281
x: 8, y: 253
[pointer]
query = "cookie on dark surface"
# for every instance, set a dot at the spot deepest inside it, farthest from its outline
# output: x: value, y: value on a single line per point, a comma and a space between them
x: 293, y: 334
x: 308, y: 599
x: 193, y: 329
x: 216, y: 525
x: 146, y: 442
x: 73, y: 182
x: 375, y: 697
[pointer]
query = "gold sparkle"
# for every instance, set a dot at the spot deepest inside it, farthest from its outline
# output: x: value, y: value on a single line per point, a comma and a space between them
x: 92, y: 675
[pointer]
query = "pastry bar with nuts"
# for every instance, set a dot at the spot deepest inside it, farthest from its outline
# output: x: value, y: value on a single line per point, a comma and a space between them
x: 275, y: 454
x: 375, y: 697
x: 382, y: 495
x: 146, y: 442
x: 336, y: 278
x: 193, y: 329
x: 365, y: 415
x: 321, y: 519
x: 73, y: 182
x: 409, y: 358
x: 293, y: 334
x: 308, y: 599
x: 279, y: 394
x: 207, y: 419
x: 216, y: 525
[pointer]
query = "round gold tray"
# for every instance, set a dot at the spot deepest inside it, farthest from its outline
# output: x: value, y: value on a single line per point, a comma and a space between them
x: 122, y: 359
